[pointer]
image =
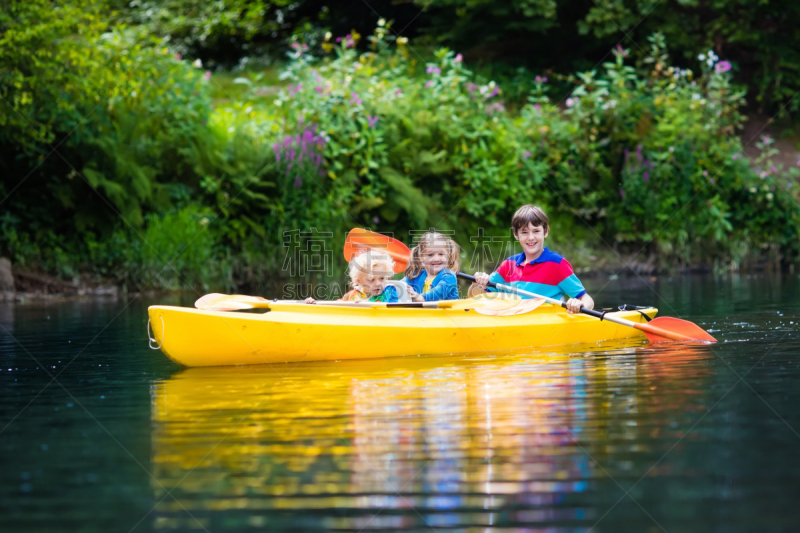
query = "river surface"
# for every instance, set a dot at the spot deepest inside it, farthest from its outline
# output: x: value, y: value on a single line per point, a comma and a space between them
x: 628, y: 437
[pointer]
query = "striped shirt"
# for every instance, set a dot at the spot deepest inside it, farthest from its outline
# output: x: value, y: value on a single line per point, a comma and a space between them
x: 548, y: 275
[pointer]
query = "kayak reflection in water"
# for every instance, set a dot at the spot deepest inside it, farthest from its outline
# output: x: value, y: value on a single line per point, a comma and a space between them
x: 369, y: 274
x: 536, y: 269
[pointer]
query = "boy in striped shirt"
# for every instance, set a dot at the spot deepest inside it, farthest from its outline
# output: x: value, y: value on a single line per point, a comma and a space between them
x: 536, y: 269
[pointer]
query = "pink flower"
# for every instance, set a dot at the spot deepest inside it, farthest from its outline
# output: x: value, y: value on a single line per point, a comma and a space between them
x: 372, y: 121
x: 354, y: 99
x: 178, y: 57
x: 646, y: 176
x: 433, y: 70
x: 208, y: 75
x: 376, y: 220
x: 722, y: 66
x: 526, y: 155
x: 705, y: 173
x: 428, y: 84
x: 458, y: 59
x: 318, y: 89
x: 399, y: 91
x: 540, y: 79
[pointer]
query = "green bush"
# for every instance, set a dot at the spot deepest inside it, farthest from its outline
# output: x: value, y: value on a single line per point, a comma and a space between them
x: 646, y: 156
x: 642, y: 156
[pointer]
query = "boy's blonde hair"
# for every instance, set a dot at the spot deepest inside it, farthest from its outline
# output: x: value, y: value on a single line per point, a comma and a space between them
x: 371, y: 263
x: 428, y: 240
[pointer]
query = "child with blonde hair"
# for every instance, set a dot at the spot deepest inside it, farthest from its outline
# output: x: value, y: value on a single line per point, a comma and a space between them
x: 369, y: 272
x: 430, y: 274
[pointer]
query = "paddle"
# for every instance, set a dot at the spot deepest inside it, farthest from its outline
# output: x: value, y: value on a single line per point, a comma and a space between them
x: 240, y: 302
x: 360, y: 240
x: 657, y: 330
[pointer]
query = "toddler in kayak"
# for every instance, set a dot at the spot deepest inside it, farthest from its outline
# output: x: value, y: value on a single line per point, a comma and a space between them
x: 369, y: 273
x: 430, y: 274
x: 536, y: 269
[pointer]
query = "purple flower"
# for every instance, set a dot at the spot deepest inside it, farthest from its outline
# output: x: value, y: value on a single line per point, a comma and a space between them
x: 494, y: 92
x: 433, y: 70
x: 376, y: 220
x: 627, y: 155
x: 646, y: 176
x: 526, y: 155
x: 495, y: 107
x: 774, y: 169
x: 372, y: 121
x: 207, y: 75
x: 538, y: 108
x: 722, y: 66
x: 736, y: 156
x: 458, y: 59
x: 540, y: 79
x: 471, y: 87
x: 318, y: 89
x: 712, y: 180
x: 298, y: 182
x: 621, y: 193
x: 428, y: 84
x: 354, y: 99
x: 620, y: 52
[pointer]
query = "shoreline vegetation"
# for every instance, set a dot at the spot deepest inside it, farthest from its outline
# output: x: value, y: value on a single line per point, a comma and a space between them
x: 138, y: 168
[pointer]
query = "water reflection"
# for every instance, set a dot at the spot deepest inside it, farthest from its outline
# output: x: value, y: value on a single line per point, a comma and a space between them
x: 404, y: 443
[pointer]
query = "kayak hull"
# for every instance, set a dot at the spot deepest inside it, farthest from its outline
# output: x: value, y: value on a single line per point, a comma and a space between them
x: 291, y: 333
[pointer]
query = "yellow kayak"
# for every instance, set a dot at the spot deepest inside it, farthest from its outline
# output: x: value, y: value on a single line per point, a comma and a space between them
x: 295, y: 332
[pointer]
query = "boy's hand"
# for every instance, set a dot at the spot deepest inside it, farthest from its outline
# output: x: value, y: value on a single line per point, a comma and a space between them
x: 482, y: 279
x: 310, y: 300
x: 574, y: 305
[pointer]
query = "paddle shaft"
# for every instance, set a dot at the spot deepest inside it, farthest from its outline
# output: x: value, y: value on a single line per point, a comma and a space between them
x: 654, y: 330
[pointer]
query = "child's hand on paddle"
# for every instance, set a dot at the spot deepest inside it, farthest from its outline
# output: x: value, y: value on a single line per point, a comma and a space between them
x: 574, y: 305
x: 414, y: 295
x: 310, y: 300
x: 482, y: 279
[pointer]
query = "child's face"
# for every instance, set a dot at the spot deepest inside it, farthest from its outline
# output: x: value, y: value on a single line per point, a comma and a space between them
x: 434, y: 259
x: 532, y: 239
x: 374, y: 286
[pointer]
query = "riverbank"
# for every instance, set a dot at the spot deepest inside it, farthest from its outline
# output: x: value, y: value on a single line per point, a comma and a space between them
x: 32, y: 286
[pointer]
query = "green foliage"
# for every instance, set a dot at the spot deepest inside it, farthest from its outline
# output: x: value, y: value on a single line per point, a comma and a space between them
x: 176, y: 251
x: 758, y: 35
x: 647, y: 156
x: 152, y: 187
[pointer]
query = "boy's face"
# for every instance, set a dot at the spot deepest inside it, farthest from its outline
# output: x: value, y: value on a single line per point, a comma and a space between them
x: 374, y: 286
x: 532, y: 239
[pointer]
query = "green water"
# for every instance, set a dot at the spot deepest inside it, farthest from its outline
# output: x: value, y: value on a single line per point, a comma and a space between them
x: 630, y: 437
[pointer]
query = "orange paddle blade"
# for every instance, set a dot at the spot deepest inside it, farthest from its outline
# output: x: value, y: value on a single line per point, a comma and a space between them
x: 666, y: 328
x: 361, y: 240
